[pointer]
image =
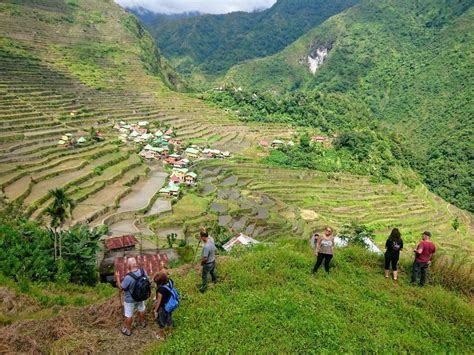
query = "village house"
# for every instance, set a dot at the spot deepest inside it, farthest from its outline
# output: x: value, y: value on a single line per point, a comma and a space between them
x: 171, y: 190
x: 170, y: 161
x: 190, y: 178
x: 192, y: 153
x: 175, y: 180
x: 180, y: 173
x: 263, y: 143
x: 183, y: 163
x: 277, y: 143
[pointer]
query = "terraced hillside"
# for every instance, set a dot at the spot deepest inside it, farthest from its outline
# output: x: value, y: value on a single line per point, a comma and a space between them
x: 263, y: 200
x: 68, y: 66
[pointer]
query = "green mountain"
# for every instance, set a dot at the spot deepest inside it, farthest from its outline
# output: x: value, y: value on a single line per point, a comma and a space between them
x: 211, y: 44
x: 410, y: 63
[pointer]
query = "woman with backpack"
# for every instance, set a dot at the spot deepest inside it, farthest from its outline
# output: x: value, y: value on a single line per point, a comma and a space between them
x: 166, y: 301
x: 393, y: 245
x: 324, y: 250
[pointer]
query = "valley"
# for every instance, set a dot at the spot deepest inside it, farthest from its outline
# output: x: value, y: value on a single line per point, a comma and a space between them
x: 90, y: 106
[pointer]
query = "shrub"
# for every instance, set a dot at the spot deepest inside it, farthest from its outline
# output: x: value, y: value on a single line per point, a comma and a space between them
x: 453, y: 272
x: 356, y: 234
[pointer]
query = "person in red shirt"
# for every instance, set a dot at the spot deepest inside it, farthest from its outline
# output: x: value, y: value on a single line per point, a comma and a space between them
x: 423, y: 255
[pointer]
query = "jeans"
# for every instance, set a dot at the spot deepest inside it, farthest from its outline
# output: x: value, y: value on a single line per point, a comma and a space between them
x: 327, y: 259
x: 209, y: 268
x: 417, y: 268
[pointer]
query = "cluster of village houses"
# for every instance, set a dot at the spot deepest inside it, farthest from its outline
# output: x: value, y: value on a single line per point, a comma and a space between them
x: 164, y: 146
x: 68, y: 140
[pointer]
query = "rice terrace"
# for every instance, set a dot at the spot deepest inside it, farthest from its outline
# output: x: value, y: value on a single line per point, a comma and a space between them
x: 313, y: 157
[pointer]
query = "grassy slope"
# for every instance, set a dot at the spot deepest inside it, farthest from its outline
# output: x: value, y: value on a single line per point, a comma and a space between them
x: 411, y: 64
x: 267, y: 301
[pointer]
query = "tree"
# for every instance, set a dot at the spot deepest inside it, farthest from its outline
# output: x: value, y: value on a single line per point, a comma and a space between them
x: 80, y: 248
x: 58, y: 211
x: 305, y: 143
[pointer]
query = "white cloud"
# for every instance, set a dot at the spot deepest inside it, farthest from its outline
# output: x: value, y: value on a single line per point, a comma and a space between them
x: 204, y: 6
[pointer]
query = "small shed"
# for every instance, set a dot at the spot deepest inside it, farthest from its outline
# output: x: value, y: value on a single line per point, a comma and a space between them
x: 125, y: 242
x: 241, y: 239
x: 277, y: 143
x: 81, y: 140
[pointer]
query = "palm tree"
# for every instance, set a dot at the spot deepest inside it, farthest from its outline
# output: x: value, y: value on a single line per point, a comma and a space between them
x: 59, y: 210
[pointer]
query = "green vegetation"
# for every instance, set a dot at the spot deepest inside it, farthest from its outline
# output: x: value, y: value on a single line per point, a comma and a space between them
x: 268, y: 301
x: 329, y: 112
x: 150, y: 55
x: 211, y: 44
x: 406, y: 64
x: 89, y: 61
x: 186, y: 209
x: 30, y: 251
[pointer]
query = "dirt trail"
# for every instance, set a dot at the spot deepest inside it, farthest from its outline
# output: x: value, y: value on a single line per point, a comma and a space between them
x: 91, y: 329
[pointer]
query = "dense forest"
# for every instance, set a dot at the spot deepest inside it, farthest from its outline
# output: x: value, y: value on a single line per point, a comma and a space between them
x: 409, y: 64
x: 213, y: 43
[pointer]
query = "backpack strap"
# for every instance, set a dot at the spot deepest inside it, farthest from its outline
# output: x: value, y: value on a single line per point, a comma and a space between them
x: 135, y: 277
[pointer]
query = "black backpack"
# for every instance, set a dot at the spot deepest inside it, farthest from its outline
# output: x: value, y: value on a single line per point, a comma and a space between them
x: 141, y: 288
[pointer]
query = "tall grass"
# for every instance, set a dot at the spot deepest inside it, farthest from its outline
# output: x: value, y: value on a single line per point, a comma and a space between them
x: 454, y: 272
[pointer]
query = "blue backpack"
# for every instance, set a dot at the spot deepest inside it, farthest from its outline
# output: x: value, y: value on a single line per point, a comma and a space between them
x: 173, y: 302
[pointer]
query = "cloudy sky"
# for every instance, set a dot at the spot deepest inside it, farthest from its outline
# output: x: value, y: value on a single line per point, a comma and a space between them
x: 204, y: 6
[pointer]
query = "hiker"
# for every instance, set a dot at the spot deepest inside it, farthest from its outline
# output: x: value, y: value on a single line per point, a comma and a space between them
x: 423, y: 255
x: 137, y: 289
x: 324, y: 250
x: 393, y: 245
x: 208, y: 260
x: 314, y: 240
x: 166, y: 301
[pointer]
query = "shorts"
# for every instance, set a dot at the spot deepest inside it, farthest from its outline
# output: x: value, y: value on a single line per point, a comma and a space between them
x: 164, y: 318
x: 130, y: 307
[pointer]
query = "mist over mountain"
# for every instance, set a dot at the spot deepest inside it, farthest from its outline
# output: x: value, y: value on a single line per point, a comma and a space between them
x: 211, y: 44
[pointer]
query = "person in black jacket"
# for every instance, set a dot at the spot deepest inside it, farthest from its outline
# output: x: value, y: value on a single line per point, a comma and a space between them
x: 393, y: 245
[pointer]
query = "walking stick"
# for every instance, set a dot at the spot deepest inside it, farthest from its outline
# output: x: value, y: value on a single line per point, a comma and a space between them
x: 195, y: 252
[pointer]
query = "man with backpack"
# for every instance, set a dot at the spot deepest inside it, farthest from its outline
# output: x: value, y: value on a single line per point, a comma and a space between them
x: 166, y: 301
x: 137, y: 289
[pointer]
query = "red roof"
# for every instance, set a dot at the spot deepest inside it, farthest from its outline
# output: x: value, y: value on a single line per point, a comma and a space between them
x: 263, y: 143
x: 121, y: 242
x: 151, y: 263
x: 174, y: 178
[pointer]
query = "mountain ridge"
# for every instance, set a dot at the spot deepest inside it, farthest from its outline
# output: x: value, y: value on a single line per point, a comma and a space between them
x: 408, y: 63
x: 210, y: 44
